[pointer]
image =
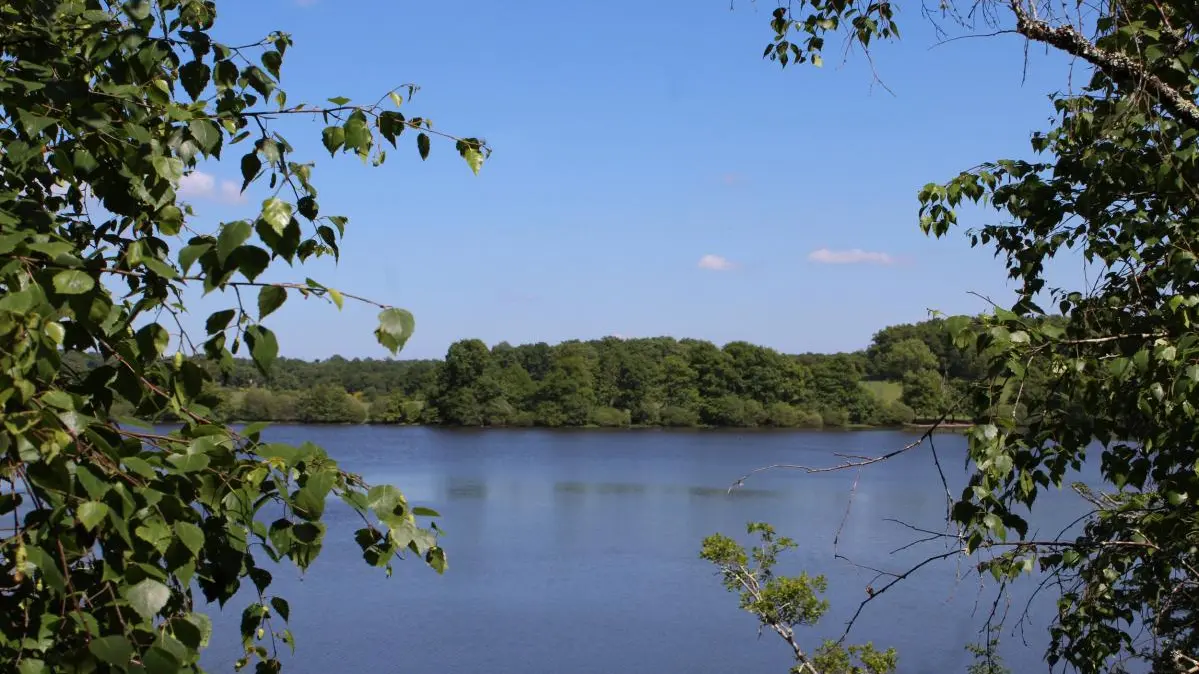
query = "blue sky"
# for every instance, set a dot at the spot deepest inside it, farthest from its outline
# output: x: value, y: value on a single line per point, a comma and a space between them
x: 652, y: 175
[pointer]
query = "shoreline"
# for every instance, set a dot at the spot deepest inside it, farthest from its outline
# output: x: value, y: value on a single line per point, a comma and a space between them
x: 947, y: 426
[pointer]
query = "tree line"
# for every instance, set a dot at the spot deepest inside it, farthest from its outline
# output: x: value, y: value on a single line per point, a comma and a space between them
x: 909, y: 373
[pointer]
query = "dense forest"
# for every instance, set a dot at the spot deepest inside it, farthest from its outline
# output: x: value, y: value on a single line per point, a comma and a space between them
x: 909, y: 373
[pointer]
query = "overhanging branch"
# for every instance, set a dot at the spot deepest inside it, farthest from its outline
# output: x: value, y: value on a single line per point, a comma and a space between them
x: 1115, y: 64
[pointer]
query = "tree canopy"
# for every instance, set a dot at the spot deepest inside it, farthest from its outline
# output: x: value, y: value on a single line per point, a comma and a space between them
x: 121, y: 534
x: 606, y: 382
x: 1116, y: 368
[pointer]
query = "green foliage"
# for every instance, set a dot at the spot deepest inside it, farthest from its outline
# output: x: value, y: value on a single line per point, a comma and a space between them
x: 986, y: 658
x: 904, y: 356
x: 1108, y: 373
x: 329, y: 403
x: 679, y: 417
x: 834, y: 418
x: 884, y: 391
x: 895, y: 413
x: 653, y: 381
x: 925, y: 392
x: 610, y: 417
x: 119, y: 536
x: 783, y: 603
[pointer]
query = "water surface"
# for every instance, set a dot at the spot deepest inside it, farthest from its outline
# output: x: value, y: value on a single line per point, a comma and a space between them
x: 575, y: 552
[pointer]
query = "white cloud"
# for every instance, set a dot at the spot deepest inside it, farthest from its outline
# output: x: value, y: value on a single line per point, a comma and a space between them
x: 200, y: 185
x: 196, y: 184
x: 851, y: 256
x: 715, y: 263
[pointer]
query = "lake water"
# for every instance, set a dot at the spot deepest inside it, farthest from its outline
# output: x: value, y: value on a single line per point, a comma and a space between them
x: 576, y: 552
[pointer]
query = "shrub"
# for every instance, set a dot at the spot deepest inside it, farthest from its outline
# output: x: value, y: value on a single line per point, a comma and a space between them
x: 679, y: 416
x: 896, y: 413
x: 782, y: 415
x: 836, y: 418
x: 610, y: 417
x: 810, y: 419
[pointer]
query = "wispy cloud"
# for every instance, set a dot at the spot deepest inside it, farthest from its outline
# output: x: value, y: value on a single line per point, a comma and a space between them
x: 851, y: 256
x: 715, y: 263
x: 200, y: 185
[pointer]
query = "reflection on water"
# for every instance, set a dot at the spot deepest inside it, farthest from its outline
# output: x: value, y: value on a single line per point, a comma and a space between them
x: 465, y: 489
x: 577, y: 553
x: 739, y: 493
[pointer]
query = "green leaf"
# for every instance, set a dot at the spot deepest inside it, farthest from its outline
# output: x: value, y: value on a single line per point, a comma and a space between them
x: 159, y: 660
x: 307, y: 207
x: 195, y: 76
x: 270, y: 298
x: 138, y: 10
x: 113, y: 649
x: 395, y: 327
x: 204, y: 624
x: 250, y: 166
x: 425, y: 512
x: 310, y: 500
x: 336, y: 297
x: 276, y: 213
x: 190, y: 253
x: 435, y: 557
x: 286, y: 453
x: 190, y: 535
x: 386, y: 501
x: 232, y: 235
x: 333, y: 137
x: 264, y: 348
x: 188, y: 463
x: 147, y: 597
x: 73, y: 282
x: 207, y: 134
x: 471, y: 151
x: 168, y: 168
x: 60, y: 399
x: 272, y: 60
x: 339, y: 100
x: 32, y: 666
x: 422, y: 145
x: 47, y: 565
x: 218, y: 321
x: 91, y: 513
x: 170, y: 220
x: 396, y: 98
x: 357, y: 136
x: 474, y: 159
x: 281, y: 607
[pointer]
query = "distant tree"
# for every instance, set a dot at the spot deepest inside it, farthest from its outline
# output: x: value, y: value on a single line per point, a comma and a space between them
x: 257, y: 405
x: 904, y: 356
x: 727, y: 410
x: 610, y: 417
x: 567, y: 394
x: 924, y: 391
x: 896, y: 413
x: 329, y: 403
x: 681, y: 417
x: 782, y: 415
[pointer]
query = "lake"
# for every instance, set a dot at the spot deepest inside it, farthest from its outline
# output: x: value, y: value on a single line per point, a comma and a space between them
x: 576, y: 552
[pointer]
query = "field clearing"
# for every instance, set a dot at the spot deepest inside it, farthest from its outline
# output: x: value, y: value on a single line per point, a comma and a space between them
x: 884, y: 391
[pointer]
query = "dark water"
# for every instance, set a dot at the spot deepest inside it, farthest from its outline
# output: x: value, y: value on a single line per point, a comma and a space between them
x: 576, y: 553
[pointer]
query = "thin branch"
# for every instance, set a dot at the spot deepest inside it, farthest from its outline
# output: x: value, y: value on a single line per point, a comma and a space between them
x: 849, y: 463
